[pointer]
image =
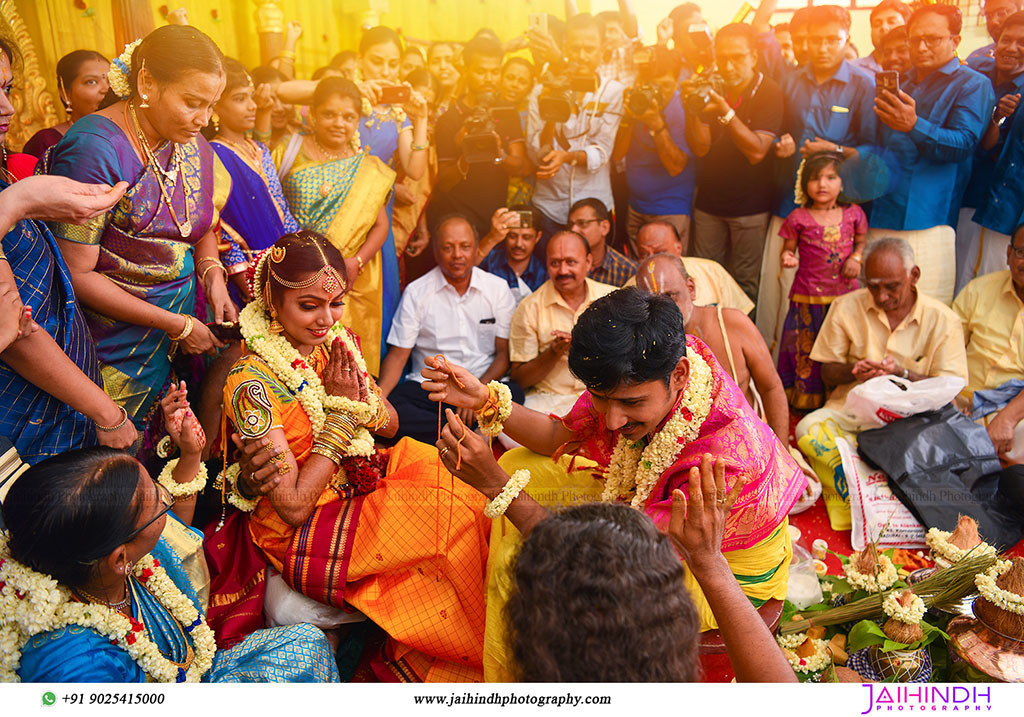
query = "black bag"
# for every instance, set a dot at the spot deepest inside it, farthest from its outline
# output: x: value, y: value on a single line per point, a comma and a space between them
x: 942, y: 464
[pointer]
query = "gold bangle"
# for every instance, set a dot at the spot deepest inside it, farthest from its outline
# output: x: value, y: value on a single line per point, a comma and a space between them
x: 119, y: 426
x: 360, y: 260
x: 287, y: 55
x: 856, y: 258
x: 189, y: 324
x: 202, y: 277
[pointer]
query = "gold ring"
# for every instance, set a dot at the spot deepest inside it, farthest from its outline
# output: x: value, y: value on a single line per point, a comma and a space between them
x: 443, y: 451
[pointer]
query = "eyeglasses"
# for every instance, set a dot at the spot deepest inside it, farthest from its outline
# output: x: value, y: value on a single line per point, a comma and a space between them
x: 931, y: 41
x: 582, y: 223
x: 1018, y: 252
x: 168, y: 502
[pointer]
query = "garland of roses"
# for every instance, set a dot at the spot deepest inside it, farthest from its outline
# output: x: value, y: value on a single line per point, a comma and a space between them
x: 32, y: 603
x: 633, y: 468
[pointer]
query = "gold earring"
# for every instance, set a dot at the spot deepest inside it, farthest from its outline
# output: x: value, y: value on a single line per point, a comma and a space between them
x: 216, y: 122
x: 275, y: 325
x: 145, y: 102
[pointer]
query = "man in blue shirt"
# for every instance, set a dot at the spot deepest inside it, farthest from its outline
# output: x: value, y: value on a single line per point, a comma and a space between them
x: 829, y: 106
x: 652, y: 138
x: 507, y: 251
x: 996, y: 12
x: 978, y: 253
x: 928, y: 132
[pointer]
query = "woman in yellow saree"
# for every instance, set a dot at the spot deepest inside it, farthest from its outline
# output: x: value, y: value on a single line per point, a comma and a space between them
x: 319, y: 172
x: 391, y: 534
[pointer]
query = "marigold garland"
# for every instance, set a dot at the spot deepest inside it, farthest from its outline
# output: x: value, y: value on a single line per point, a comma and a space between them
x: 636, y: 469
x: 988, y: 589
x: 32, y: 603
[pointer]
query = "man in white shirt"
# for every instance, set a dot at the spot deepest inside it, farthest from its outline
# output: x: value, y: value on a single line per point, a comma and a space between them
x: 572, y: 157
x: 456, y: 310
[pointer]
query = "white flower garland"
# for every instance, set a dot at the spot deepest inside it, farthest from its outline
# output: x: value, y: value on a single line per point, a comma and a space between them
x: 633, y: 468
x: 32, y: 603
x: 812, y: 663
x: 885, y: 579
x: 286, y: 363
x: 235, y: 498
x: 791, y: 642
x: 182, y: 490
x: 911, y: 614
x: 938, y: 541
x: 504, y: 409
x: 987, y: 588
x: 120, y: 69
x: 496, y: 508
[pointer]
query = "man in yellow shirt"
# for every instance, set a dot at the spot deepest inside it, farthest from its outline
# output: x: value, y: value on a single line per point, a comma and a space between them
x: 713, y: 284
x: 543, y: 322
x: 888, y: 328
x: 991, y: 308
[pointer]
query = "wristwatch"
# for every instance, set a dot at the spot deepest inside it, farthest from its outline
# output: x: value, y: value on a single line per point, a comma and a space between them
x: 725, y: 119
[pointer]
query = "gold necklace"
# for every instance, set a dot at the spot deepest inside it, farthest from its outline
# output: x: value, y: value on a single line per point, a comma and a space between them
x: 121, y: 607
x: 184, y: 228
x: 326, y: 186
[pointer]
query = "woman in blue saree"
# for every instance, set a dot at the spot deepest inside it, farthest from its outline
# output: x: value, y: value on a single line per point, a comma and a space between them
x: 256, y: 214
x: 135, y: 269
x: 111, y: 585
x: 49, y: 377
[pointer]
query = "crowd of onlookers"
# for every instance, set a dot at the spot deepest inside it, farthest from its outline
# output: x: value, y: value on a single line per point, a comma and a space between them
x: 760, y: 166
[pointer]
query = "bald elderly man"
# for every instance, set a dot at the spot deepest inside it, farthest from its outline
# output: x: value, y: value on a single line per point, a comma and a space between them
x: 714, y: 285
x: 731, y: 336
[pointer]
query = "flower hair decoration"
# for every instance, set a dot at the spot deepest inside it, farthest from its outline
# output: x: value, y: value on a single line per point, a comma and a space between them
x: 121, y: 69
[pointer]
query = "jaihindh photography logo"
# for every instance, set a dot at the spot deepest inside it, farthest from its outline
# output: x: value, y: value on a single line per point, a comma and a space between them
x: 927, y: 698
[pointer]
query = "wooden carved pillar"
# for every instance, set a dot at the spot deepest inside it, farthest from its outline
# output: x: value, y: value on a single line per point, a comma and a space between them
x: 132, y: 19
x: 270, y: 26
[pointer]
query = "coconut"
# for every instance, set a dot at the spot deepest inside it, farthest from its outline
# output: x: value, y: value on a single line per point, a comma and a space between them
x: 866, y: 560
x: 899, y: 631
x: 1003, y: 621
x: 965, y: 536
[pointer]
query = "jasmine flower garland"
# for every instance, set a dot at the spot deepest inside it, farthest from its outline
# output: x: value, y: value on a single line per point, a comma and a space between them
x: 636, y: 469
x: 120, y: 69
x: 912, y: 614
x: 885, y: 579
x: 32, y: 603
x: 938, y: 541
x: 987, y: 588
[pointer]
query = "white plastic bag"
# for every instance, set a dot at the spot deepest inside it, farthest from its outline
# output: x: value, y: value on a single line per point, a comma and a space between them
x: 884, y: 399
x: 877, y: 514
x: 284, y: 606
x: 804, y: 588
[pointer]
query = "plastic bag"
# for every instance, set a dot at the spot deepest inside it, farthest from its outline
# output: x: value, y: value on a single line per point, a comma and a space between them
x: 804, y: 587
x: 819, y: 446
x: 941, y: 464
x: 284, y: 606
x: 877, y: 514
x: 884, y: 399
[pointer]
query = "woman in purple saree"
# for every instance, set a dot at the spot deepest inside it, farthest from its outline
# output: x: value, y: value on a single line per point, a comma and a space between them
x: 134, y: 269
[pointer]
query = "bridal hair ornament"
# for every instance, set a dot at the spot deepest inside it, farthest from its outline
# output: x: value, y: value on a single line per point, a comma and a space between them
x: 328, y: 277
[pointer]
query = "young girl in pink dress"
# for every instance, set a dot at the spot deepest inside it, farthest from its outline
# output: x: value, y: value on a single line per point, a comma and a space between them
x: 829, y: 236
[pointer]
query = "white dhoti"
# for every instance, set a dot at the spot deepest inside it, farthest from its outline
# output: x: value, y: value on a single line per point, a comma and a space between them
x: 979, y: 251
x: 773, y: 291
x: 935, y: 253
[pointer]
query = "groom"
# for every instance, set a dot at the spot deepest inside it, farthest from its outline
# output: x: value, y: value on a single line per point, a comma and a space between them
x: 656, y: 401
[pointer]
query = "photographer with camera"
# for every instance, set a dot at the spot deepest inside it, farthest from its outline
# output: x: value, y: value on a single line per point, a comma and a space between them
x: 479, y: 145
x: 732, y: 136
x: 652, y: 138
x: 573, y: 117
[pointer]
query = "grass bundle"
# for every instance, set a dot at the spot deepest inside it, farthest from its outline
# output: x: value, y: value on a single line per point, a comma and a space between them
x: 942, y: 589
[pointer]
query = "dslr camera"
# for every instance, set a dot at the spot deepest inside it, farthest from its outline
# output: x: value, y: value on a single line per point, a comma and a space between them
x: 642, y: 98
x: 557, y: 101
x: 481, y: 144
x: 698, y: 90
